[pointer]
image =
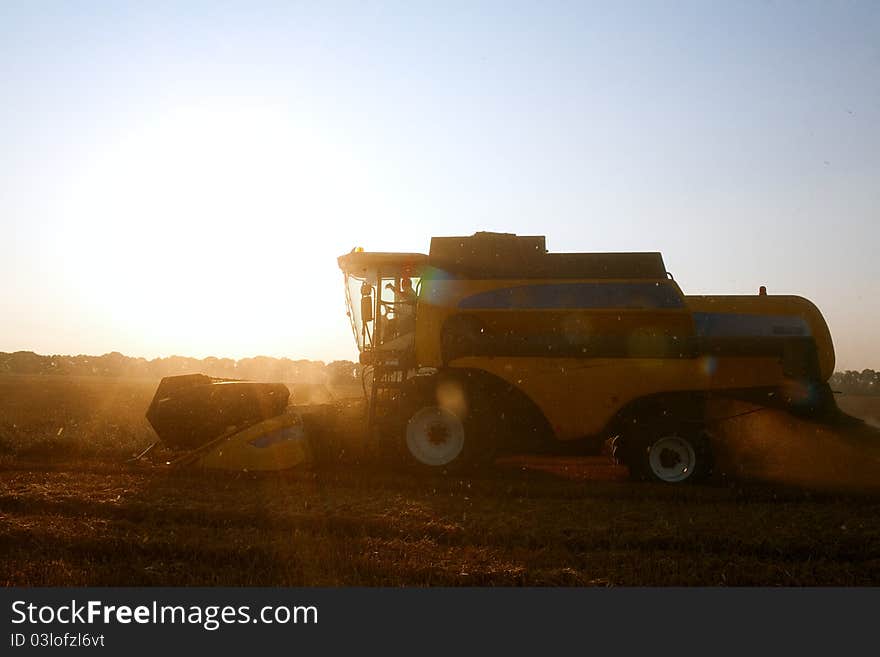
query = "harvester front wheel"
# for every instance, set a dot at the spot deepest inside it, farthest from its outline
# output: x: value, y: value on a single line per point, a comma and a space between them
x: 670, y: 455
x: 435, y: 436
x: 438, y: 437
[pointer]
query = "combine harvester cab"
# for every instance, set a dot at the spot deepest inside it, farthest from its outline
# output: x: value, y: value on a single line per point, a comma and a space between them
x: 491, y: 338
x: 228, y: 424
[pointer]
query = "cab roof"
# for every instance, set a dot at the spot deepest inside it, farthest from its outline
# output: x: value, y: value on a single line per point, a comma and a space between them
x: 357, y: 261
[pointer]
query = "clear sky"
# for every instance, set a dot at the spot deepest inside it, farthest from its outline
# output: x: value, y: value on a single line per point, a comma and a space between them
x: 179, y: 177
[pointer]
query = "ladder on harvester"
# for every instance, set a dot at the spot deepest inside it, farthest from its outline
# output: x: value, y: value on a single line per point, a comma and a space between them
x: 388, y: 379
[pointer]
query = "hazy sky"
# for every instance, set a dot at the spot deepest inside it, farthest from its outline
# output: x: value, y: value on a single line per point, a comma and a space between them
x: 180, y: 177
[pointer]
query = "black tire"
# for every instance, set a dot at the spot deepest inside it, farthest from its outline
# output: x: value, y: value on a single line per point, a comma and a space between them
x: 434, y: 435
x: 666, y: 453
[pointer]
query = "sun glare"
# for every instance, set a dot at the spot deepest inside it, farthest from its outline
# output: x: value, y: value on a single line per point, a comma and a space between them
x: 214, y: 232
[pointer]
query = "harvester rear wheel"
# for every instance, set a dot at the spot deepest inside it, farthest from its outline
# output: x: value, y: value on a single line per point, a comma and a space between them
x: 667, y: 454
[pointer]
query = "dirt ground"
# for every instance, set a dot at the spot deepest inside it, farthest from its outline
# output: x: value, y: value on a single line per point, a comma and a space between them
x: 803, y: 509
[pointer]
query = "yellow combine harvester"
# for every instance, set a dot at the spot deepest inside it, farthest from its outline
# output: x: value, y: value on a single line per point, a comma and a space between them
x: 490, y: 342
x: 504, y: 340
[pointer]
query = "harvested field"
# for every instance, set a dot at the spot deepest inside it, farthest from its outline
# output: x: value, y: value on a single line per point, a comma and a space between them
x: 866, y: 407
x: 72, y: 514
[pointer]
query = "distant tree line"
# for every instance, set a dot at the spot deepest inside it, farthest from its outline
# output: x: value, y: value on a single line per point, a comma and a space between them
x: 259, y: 368
x: 866, y: 382
x: 264, y: 368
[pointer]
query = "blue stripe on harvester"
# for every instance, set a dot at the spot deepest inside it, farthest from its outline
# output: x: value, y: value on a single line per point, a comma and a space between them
x: 728, y: 325
x: 576, y: 295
